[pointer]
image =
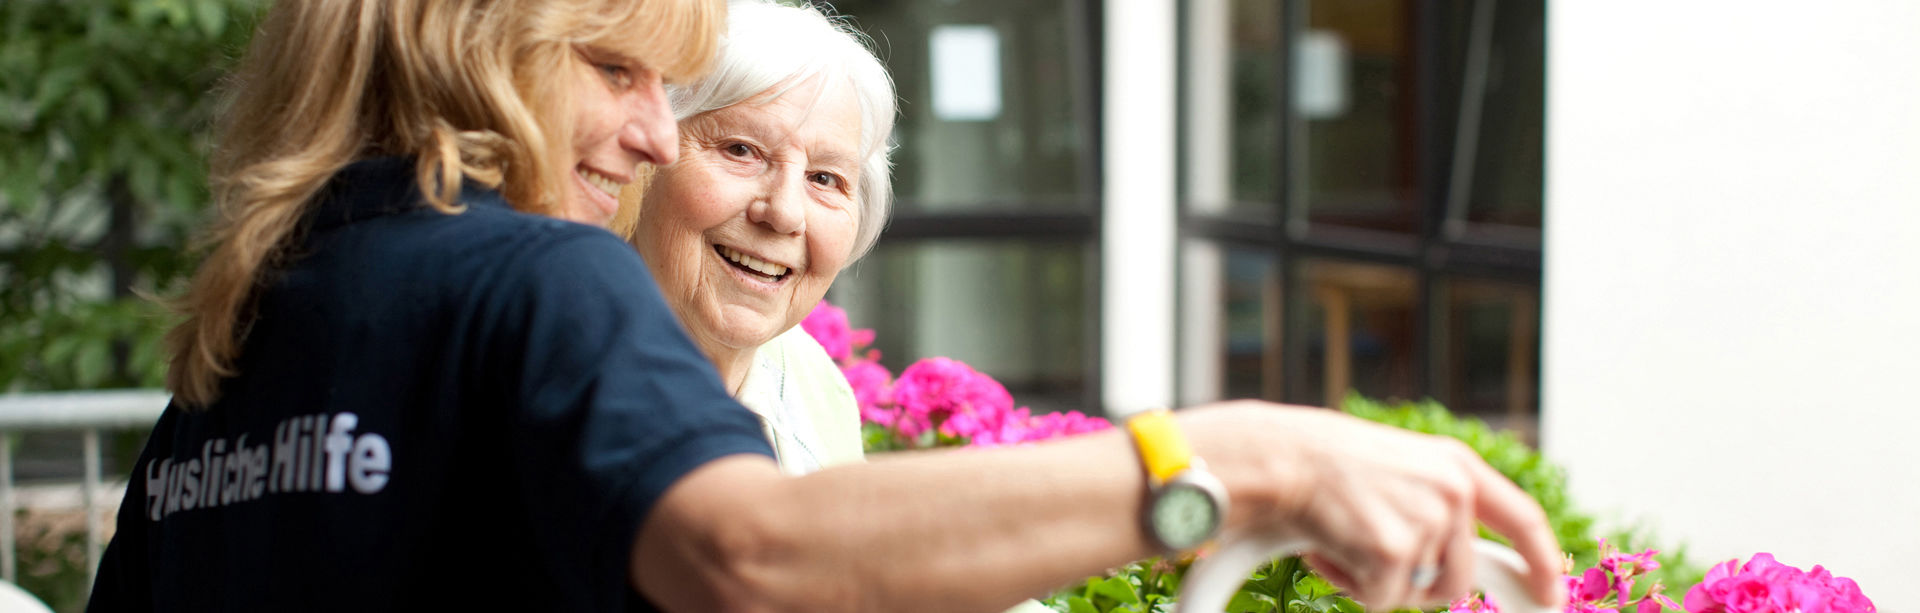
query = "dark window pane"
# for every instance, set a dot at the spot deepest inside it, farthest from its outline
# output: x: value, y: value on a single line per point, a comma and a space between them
x: 1361, y: 156
x: 1357, y: 322
x: 1230, y: 298
x: 1015, y: 310
x: 1257, y: 110
x: 1497, y: 92
x: 995, y: 102
x: 1489, y: 350
x: 1232, y: 108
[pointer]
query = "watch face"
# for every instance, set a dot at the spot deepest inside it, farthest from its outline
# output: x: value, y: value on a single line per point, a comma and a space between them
x: 1184, y: 516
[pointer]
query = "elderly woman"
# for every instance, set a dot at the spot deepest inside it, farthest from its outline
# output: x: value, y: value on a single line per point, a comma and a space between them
x: 782, y: 181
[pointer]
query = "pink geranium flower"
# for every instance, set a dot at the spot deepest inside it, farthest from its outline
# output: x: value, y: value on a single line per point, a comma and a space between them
x: 872, y: 390
x: 940, y: 395
x: 1764, y: 585
x: 932, y: 391
x: 827, y: 324
x: 1471, y: 603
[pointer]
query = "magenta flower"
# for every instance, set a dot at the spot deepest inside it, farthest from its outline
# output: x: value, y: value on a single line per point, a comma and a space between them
x: 937, y: 388
x: 1472, y: 603
x: 872, y: 390
x: 828, y: 325
x: 1593, y: 586
x: 1605, y: 588
x: 1764, y: 585
x: 938, y: 395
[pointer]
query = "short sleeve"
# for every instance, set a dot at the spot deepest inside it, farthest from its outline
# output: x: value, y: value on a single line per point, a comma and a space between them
x: 610, y: 402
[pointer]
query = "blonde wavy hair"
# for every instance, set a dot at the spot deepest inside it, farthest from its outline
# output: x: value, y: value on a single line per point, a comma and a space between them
x: 470, y: 89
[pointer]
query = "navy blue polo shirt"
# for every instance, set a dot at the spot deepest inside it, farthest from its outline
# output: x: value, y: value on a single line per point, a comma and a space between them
x: 434, y: 412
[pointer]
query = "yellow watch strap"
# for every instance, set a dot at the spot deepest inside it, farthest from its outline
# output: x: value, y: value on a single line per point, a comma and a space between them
x: 1163, y: 448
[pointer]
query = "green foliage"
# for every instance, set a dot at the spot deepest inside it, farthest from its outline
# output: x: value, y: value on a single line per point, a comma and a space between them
x: 1289, y: 586
x: 1146, y: 586
x: 1530, y: 470
x: 74, y: 347
x: 105, y: 111
x: 105, y: 107
x: 1503, y: 451
x: 53, y: 562
x: 875, y: 438
x: 1284, y: 585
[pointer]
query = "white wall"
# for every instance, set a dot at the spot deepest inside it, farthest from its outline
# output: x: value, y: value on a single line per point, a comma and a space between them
x: 1732, y: 326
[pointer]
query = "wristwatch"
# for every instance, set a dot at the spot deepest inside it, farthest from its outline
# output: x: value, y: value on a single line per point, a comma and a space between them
x: 1185, y: 504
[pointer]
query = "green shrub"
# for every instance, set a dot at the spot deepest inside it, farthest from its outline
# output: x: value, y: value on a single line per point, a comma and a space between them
x: 1288, y: 586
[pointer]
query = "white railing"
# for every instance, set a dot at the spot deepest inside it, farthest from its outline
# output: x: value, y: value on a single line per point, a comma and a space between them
x: 89, y: 413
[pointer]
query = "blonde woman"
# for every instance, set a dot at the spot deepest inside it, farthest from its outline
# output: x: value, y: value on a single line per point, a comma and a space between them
x: 388, y: 392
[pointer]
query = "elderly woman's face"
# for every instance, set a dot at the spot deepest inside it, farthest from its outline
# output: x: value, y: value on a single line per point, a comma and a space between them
x: 747, y: 230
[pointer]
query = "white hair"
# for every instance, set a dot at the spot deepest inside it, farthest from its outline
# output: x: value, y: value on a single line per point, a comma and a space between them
x: 770, y: 46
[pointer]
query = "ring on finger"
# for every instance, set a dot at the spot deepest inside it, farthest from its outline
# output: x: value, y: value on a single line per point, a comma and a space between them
x: 1424, y: 576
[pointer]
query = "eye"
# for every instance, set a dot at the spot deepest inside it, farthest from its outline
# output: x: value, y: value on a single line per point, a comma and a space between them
x: 737, y: 149
x: 827, y: 180
x: 620, y: 78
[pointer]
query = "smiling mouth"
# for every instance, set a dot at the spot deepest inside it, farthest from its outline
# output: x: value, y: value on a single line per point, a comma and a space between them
x: 604, y: 183
x: 752, y: 266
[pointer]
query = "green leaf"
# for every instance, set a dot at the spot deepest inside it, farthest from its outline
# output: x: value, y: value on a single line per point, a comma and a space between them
x: 178, y: 15
x: 60, y: 349
x: 94, y: 363
x: 21, y: 177
x: 1347, y: 605
x: 54, y: 87
x: 1077, y: 604
x: 213, y: 17
x: 146, y: 12
x: 1311, y: 586
x: 1250, y: 602
x: 143, y: 176
x: 91, y: 105
x: 1116, y: 588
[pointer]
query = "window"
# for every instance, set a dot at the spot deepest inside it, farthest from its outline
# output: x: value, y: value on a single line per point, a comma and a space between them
x: 990, y: 256
x: 1361, y: 201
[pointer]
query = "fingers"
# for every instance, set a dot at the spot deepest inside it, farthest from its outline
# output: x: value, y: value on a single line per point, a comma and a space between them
x: 1332, y: 572
x: 1450, y: 553
x: 1457, y: 562
x: 1389, y: 585
x: 1385, y: 501
x: 1398, y: 565
x: 1503, y: 507
x: 1391, y: 550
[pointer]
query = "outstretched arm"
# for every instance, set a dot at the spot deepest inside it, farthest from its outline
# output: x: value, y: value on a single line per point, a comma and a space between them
x: 978, y: 530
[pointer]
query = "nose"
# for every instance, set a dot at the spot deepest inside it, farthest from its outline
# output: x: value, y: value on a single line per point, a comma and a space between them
x: 651, y: 131
x: 783, y: 208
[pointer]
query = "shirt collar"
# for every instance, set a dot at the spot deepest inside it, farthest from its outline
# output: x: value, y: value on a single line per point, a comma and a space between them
x: 376, y: 187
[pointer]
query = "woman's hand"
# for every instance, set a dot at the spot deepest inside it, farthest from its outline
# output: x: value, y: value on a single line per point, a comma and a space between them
x: 1379, y: 504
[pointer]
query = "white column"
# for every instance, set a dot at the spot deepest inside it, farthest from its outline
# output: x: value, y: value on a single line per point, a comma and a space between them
x: 1208, y: 149
x: 1209, y: 98
x: 1203, y: 315
x: 1138, y: 220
